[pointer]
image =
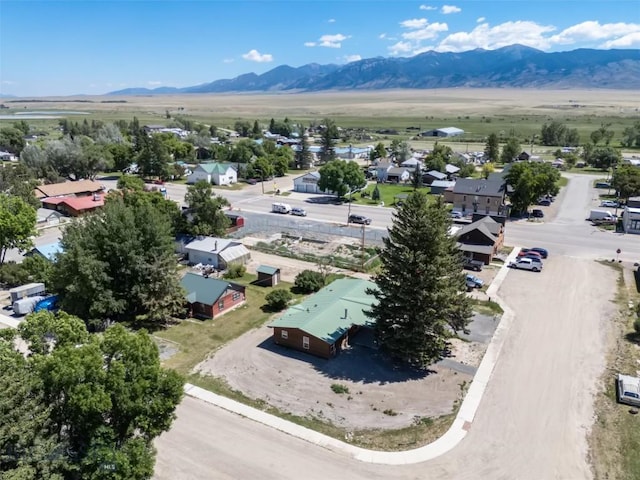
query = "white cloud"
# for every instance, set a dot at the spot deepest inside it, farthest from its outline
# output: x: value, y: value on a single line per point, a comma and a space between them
x: 427, y: 7
x: 331, y: 20
x: 480, y: 19
x: 447, y: 9
x: 630, y: 40
x: 154, y: 83
x: 8, y: 82
x: 428, y: 32
x: 329, y: 41
x: 382, y: 36
x: 593, y: 30
x: 414, y: 23
x: 255, y: 56
x: 400, y: 47
x: 352, y: 58
x: 508, y: 33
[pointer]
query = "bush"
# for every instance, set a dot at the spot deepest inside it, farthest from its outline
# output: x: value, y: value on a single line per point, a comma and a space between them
x: 636, y: 325
x: 235, y: 270
x: 278, y: 299
x: 309, y: 281
x: 339, y: 389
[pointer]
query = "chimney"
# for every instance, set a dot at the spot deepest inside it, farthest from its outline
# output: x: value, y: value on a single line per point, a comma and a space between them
x: 96, y: 197
x: 346, y: 313
x: 215, y: 246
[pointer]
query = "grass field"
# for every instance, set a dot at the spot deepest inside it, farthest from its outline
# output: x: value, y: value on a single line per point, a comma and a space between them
x: 519, y: 112
x: 615, y: 437
x: 388, y: 194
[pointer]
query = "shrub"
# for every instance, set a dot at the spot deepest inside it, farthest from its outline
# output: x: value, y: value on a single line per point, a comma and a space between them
x: 636, y: 325
x: 13, y: 274
x: 309, y: 281
x: 339, y: 389
x: 235, y: 270
x: 278, y: 299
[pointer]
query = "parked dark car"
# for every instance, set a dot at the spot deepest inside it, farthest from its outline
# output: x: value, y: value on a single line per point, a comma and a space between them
x: 542, y: 251
x: 544, y: 202
x: 361, y: 219
x: 537, y: 213
x: 469, y: 264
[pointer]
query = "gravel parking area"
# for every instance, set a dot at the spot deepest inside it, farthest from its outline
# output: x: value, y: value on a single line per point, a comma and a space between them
x: 380, y: 395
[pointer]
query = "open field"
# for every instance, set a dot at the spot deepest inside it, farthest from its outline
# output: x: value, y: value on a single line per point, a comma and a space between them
x: 477, y: 111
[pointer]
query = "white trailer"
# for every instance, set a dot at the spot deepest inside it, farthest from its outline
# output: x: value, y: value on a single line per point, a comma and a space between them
x: 27, y: 290
x: 26, y: 305
x: 601, y: 216
x: 281, y: 208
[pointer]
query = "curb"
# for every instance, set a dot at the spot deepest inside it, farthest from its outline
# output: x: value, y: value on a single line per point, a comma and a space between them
x: 452, y: 437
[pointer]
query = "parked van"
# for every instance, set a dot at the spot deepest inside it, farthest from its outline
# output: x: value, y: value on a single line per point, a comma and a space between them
x: 601, y: 216
x: 281, y: 208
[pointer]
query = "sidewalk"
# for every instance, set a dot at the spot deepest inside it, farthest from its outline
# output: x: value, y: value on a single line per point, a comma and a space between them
x: 448, y: 441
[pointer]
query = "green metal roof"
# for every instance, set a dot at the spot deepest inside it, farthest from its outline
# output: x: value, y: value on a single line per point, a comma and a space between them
x: 328, y: 314
x: 267, y: 270
x: 215, y: 167
x: 205, y: 290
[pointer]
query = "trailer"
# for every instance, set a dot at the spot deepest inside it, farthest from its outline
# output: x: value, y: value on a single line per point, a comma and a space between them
x: 28, y: 290
x: 26, y: 305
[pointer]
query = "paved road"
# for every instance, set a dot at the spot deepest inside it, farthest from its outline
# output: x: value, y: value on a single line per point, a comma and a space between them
x: 533, y: 419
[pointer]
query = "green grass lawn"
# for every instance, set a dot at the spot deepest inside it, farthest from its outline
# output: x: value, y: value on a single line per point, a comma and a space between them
x: 563, y: 182
x: 387, y: 194
x: 198, y: 338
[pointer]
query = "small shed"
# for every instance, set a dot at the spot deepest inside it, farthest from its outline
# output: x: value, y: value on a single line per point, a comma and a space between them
x: 268, y: 276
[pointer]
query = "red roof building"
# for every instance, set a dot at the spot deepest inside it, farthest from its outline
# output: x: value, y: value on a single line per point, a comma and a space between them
x: 76, y: 206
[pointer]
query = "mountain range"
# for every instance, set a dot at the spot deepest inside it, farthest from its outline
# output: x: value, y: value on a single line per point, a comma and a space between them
x: 512, y: 66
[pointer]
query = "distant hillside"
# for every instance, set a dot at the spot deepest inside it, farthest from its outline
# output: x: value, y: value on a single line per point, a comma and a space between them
x: 512, y: 66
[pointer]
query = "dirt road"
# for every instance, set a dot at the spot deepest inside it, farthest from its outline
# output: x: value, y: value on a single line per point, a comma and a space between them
x: 531, y: 424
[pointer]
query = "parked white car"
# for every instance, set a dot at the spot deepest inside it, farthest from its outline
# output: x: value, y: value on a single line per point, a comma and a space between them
x: 628, y: 390
x: 610, y: 204
x: 524, y: 263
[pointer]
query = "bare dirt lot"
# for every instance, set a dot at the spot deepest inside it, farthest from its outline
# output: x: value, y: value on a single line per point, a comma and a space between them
x: 380, y: 395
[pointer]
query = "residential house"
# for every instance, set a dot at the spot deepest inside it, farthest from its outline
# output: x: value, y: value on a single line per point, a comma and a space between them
x: 323, y: 324
x: 48, y: 251
x: 382, y: 169
x: 433, y: 175
x: 267, y: 276
x: 398, y: 175
x: 443, y: 132
x: 463, y: 157
x: 472, y: 195
x: 451, y: 170
x: 631, y: 216
x: 440, y: 187
x: 8, y: 157
x: 307, y: 183
x: 216, y: 252
x: 412, y: 163
x: 211, y: 297
x: 78, y: 188
x: 481, y: 239
x: 216, y: 173
x: 74, y: 206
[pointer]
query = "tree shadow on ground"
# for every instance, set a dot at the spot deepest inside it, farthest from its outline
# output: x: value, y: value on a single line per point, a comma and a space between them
x: 358, y: 363
x: 633, y: 337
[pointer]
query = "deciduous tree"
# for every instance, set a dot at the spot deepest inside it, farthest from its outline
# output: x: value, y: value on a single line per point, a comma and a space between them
x: 17, y: 224
x: 510, y: 151
x: 205, y: 209
x: 626, y: 181
x: 530, y: 181
x: 413, y: 324
x: 119, y: 264
x: 340, y: 177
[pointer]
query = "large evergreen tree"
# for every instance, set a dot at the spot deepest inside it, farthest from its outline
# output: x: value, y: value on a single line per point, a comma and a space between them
x: 118, y: 264
x: 328, y: 141
x: 304, y: 157
x: 207, y: 217
x: 492, y: 148
x: 420, y: 291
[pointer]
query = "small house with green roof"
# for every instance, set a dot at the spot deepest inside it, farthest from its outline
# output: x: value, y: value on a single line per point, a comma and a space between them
x: 210, y: 297
x: 324, y: 322
x: 214, y: 172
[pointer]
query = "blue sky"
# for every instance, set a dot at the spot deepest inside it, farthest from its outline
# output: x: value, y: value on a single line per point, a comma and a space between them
x: 93, y: 47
